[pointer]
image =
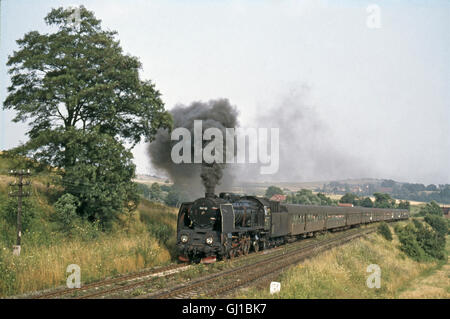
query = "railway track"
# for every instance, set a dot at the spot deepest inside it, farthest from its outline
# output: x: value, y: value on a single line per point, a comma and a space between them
x: 244, y: 271
x: 218, y: 284
x: 117, y: 283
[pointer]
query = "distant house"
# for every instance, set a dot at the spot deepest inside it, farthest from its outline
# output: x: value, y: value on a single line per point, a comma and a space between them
x: 278, y: 198
x: 345, y: 205
x: 446, y: 211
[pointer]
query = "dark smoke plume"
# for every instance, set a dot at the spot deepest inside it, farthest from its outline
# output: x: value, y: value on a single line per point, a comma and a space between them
x: 218, y: 114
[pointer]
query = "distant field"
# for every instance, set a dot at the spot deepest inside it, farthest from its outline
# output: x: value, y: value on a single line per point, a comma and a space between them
x: 148, y: 180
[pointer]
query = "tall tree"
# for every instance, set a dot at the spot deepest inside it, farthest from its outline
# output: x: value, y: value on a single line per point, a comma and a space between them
x: 79, y: 77
x: 349, y: 198
x: 383, y: 200
x: 273, y: 190
x: 84, y: 101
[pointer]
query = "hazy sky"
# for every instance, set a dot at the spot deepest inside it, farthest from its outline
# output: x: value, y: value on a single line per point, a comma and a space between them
x: 382, y: 96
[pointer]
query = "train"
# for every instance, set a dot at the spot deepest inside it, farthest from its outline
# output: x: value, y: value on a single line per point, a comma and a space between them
x: 229, y: 225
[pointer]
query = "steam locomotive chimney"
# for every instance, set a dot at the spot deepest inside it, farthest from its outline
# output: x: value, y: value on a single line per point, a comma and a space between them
x: 209, y: 192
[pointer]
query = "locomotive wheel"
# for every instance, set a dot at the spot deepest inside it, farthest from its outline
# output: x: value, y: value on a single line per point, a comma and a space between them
x: 256, y: 246
x: 231, y: 254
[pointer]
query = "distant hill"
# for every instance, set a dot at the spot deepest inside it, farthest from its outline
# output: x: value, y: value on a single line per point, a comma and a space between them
x: 361, y: 187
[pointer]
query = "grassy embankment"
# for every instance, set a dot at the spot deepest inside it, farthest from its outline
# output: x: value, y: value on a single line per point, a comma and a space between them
x: 144, y: 239
x: 341, y: 273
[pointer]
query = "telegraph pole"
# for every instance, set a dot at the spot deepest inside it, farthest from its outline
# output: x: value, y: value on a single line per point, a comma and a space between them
x: 19, y: 194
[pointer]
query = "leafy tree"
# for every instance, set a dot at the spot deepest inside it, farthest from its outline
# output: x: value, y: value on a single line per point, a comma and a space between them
x: 273, y: 190
x: 155, y: 191
x: 307, y: 197
x: 349, y: 198
x: 173, y: 198
x: 383, y: 200
x: 324, y: 200
x: 79, y: 77
x: 404, y: 205
x: 366, y: 202
x: 100, y: 177
x: 165, y: 188
x: 431, y: 208
x: 84, y: 99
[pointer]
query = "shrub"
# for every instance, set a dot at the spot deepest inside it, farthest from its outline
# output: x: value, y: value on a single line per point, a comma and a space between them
x: 385, y: 231
x: 417, y: 224
x: 431, y: 242
x: 29, y: 211
x: 409, y: 244
x: 438, y: 223
x: 421, y: 242
x: 431, y: 208
x: 66, y: 212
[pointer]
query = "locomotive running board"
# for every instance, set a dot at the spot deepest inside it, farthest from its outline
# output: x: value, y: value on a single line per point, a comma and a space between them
x: 183, y: 258
x: 208, y: 260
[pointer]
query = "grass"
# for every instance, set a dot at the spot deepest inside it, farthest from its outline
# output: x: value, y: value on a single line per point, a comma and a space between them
x: 139, y: 240
x: 43, y: 263
x: 45, y: 266
x: 434, y: 283
x: 341, y: 273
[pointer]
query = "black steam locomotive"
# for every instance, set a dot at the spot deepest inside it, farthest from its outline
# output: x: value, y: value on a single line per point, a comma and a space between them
x: 230, y: 225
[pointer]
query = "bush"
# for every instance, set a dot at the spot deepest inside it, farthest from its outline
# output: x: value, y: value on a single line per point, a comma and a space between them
x: 421, y: 242
x: 432, y: 243
x: 29, y: 211
x: 385, y: 231
x: 438, y: 223
x: 173, y: 198
x: 417, y: 224
x: 66, y: 212
x: 409, y: 244
x: 431, y: 208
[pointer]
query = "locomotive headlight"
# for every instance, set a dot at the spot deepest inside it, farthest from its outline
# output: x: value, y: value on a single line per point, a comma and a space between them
x: 209, y: 240
x: 184, y: 238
